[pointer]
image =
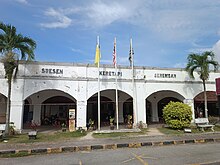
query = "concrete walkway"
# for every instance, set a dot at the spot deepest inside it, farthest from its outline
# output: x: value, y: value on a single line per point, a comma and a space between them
x: 152, y: 131
x: 88, y: 143
x: 88, y: 136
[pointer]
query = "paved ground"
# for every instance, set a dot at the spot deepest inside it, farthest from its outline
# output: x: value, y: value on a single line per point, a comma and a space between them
x: 153, y: 137
x: 187, y: 154
x: 151, y: 132
x: 154, y: 132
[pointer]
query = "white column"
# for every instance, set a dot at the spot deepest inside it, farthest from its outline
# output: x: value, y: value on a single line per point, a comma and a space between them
x: 37, y: 112
x: 141, y: 110
x: 154, y: 116
x: 120, y: 111
x: 16, y: 115
x: 190, y: 102
x: 16, y: 112
x: 81, y: 105
x: 81, y: 114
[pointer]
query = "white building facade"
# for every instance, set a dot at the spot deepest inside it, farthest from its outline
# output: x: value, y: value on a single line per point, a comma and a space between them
x: 42, y: 90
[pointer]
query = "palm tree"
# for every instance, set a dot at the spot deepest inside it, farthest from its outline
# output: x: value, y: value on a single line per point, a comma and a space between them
x: 11, y: 45
x: 201, y: 64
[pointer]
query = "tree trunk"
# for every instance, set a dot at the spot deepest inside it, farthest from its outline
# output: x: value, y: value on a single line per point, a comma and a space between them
x: 7, y: 127
x: 205, y: 99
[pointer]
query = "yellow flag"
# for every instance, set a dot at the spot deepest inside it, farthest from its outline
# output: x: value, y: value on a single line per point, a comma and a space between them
x: 97, y: 55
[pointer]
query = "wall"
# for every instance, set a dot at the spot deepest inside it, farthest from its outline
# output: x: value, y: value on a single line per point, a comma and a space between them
x: 79, y: 81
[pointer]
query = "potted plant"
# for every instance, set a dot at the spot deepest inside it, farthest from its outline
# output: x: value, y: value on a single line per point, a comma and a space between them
x: 11, y: 128
x: 111, y: 121
x: 63, y: 127
x: 129, y: 122
x: 91, y: 124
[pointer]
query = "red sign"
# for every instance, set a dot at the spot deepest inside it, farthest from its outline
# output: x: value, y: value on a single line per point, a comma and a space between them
x: 217, y: 82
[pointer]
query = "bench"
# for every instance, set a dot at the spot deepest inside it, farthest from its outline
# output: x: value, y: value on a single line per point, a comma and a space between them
x: 2, y: 129
x: 204, y: 123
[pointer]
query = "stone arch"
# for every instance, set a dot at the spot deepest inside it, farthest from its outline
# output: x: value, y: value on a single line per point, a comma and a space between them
x: 94, y: 91
x: 157, y: 100
x: 48, y: 86
x: 162, y: 103
x: 43, y: 95
x: 107, y: 98
x: 42, y: 106
x: 212, y: 102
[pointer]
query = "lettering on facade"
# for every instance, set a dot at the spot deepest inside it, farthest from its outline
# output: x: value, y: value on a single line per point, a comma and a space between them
x: 164, y: 75
x: 51, y: 71
x: 109, y: 73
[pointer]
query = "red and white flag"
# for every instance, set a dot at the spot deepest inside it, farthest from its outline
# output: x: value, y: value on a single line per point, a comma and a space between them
x: 114, y: 54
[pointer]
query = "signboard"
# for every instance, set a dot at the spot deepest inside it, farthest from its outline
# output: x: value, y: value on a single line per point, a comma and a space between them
x: 164, y: 75
x: 110, y: 73
x: 217, y: 82
x: 72, y: 114
x: 51, y: 71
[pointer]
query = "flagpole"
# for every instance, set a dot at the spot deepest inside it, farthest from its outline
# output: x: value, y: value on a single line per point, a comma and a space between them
x: 132, y: 68
x: 98, y: 88
x: 116, y: 84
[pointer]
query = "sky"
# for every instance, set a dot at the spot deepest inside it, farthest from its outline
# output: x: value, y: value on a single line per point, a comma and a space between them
x: 163, y: 32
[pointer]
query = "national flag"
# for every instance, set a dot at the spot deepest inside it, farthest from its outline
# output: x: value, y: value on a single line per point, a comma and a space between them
x: 114, y: 53
x: 131, y: 53
x: 97, y: 55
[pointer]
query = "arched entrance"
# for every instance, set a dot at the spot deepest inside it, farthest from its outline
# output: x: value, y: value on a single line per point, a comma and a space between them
x: 212, y: 103
x: 108, y: 107
x: 156, y: 102
x: 106, y: 112
x: 55, y: 110
x: 162, y: 103
x: 48, y: 107
x: 3, y: 105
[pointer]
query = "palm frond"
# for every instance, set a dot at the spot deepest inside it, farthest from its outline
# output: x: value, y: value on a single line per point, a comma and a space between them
x: 10, y: 41
x: 201, y: 64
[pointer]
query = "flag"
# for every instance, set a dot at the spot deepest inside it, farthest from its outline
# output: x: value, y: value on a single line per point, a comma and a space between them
x: 116, y: 82
x: 97, y: 55
x: 114, y: 53
x: 131, y: 53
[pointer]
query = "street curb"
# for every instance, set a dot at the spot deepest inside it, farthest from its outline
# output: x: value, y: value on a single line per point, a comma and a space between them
x: 108, y: 146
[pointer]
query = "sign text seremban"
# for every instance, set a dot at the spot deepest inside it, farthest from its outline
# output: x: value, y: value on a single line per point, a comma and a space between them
x: 164, y: 75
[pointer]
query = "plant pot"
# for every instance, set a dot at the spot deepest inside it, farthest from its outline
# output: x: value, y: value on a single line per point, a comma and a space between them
x: 63, y: 129
x: 112, y: 127
x: 32, y: 135
x: 129, y: 126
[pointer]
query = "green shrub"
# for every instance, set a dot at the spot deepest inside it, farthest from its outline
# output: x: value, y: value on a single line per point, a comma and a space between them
x: 177, y: 115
